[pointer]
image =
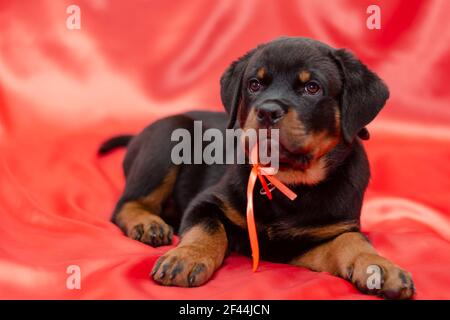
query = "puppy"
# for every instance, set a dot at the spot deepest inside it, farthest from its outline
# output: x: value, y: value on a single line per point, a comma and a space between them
x: 320, y: 99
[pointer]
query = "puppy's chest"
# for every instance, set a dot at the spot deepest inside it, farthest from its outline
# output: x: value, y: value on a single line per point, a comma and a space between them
x: 279, y: 241
x: 278, y: 229
x: 280, y: 214
x: 287, y: 228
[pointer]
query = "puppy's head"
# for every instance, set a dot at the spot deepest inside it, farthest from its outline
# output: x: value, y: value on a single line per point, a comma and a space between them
x: 318, y: 97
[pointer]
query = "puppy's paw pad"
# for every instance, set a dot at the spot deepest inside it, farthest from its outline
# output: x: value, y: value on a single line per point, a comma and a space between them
x: 183, y: 267
x: 153, y: 232
x: 381, y: 277
x: 398, y: 284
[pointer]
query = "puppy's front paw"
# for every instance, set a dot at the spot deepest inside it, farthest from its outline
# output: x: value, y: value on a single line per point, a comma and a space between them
x: 373, y: 274
x: 152, y: 230
x: 184, y: 266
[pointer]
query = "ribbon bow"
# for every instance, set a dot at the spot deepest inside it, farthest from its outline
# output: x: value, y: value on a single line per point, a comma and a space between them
x: 262, y: 173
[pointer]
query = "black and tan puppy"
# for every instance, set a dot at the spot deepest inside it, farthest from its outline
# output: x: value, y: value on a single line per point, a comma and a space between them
x: 320, y: 99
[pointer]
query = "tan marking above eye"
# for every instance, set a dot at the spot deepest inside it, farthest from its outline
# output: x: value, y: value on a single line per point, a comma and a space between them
x: 304, y: 76
x: 261, y: 73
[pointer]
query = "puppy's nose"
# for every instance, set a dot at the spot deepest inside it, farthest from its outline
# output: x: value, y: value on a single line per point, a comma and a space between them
x: 269, y: 113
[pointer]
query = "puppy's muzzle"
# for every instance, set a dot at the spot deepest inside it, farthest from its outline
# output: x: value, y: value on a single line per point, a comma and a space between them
x: 269, y: 113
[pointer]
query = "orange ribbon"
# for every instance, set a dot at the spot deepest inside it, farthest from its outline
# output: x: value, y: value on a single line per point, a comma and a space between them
x: 262, y: 173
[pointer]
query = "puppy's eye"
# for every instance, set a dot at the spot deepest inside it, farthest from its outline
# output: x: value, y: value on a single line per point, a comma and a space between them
x: 254, y: 85
x: 312, y: 88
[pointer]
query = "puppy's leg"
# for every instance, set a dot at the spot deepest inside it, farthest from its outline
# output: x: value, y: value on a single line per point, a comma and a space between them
x: 202, y: 247
x: 351, y: 257
x: 139, y: 218
x: 150, y: 179
x: 193, y: 262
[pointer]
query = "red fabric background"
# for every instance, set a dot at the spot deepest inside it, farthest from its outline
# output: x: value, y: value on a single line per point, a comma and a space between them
x: 62, y: 92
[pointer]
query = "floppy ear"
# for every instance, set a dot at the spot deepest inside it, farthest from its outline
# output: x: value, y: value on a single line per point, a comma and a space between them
x: 363, y: 95
x: 231, y: 86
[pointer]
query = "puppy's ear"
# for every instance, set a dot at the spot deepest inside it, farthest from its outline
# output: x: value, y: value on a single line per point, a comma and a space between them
x: 231, y: 86
x: 363, y: 95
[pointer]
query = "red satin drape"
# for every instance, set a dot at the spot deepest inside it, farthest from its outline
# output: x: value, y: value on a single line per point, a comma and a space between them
x: 63, y: 91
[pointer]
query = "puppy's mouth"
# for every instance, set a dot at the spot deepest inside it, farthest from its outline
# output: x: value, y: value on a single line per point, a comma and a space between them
x: 289, y: 157
x: 297, y: 160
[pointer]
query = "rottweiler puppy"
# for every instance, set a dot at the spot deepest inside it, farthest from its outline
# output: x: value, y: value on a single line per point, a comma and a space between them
x: 320, y: 99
